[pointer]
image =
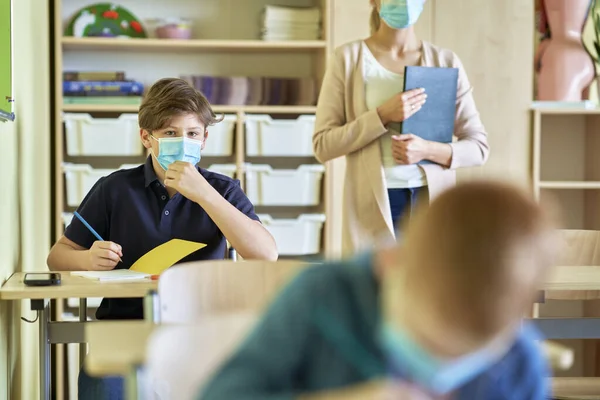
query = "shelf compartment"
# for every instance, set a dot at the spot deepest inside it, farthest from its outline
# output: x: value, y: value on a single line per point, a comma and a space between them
x: 567, y: 149
x: 578, y: 208
x: 180, y: 45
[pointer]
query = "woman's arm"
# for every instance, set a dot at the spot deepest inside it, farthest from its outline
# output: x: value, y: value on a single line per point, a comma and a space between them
x: 472, y: 148
x: 334, y: 136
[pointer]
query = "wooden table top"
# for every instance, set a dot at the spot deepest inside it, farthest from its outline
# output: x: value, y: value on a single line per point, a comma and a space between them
x: 574, y: 278
x: 561, y: 278
x: 116, y: 346
x: 74, y: 286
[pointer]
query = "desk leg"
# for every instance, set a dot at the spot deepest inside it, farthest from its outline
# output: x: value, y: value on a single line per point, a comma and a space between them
x: 41, y: 306
x: 133, y: 382
x: 82, y: 318
x: 152, y: 307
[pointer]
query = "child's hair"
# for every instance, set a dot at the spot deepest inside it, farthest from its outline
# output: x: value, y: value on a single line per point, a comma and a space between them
x: 481, y: 251
x: 169, y: 97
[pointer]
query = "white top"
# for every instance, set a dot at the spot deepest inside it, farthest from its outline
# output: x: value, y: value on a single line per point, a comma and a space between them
x: 380, y: 85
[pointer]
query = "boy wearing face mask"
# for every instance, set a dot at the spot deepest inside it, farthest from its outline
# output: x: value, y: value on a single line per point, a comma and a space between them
x: 408, y: 322
x: 168, y: 197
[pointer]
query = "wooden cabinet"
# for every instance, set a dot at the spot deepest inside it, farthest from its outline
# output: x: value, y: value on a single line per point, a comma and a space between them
x: 226, y: 42
x: 566, y: 165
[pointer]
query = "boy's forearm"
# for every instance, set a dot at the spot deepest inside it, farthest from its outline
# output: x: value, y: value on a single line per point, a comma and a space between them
x: 63, y: 257
x: 248, y: 237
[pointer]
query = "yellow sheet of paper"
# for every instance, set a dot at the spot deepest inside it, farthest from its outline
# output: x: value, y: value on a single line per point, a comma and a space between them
x: 164, y: 256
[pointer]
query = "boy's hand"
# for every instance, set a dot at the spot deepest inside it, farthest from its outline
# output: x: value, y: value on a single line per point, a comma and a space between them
x: 185, y: 178
x: 104, y: 256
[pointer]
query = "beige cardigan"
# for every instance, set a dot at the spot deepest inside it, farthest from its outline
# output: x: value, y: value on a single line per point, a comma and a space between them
x: 344, y: 127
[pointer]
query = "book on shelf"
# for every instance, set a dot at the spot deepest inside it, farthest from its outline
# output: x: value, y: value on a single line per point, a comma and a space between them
x: 267, y: 91
x: 93, y: 76
x: 290, y: 23
x: 102, y: 88
x: 103, y: 100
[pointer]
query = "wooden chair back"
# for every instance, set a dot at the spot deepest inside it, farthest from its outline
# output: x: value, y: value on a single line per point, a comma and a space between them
x: 189, y: 291
x: 181, y: 358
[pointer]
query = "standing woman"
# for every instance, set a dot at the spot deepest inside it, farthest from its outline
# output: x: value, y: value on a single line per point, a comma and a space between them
x: 361, y: 105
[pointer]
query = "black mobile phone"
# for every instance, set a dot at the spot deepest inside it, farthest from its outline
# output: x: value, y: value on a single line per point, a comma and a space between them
x: 42, y: 279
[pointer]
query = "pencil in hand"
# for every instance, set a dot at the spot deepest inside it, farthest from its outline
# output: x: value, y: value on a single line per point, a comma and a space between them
x: 92, y: 230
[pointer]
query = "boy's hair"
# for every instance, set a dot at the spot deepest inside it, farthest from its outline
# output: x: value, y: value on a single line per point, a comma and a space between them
x: 170, y: 97
x: 481, y: 251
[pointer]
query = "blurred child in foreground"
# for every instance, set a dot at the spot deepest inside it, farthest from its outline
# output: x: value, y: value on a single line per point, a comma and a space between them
x: 440, y: 313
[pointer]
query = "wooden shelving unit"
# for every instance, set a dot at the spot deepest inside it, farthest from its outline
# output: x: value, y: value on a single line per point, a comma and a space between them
x: 566, y: 165
x: 219, y: 109
x: 177, y: 45
x: 226, y: 44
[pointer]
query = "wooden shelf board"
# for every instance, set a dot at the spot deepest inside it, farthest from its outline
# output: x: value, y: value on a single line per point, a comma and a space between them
x: 566, y: 111
x: 569, y: 185
x: 179, y: 45
x: 216, y: 108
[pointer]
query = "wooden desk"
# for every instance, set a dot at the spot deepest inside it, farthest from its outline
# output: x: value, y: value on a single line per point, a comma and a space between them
x: 67, y: 332
x: 73, y: 286
x: 573, y: 278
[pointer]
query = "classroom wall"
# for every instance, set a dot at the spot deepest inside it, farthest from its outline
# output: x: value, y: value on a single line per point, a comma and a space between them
x: 9, y: 228
x: 488, y: 36
x: 25, y: 194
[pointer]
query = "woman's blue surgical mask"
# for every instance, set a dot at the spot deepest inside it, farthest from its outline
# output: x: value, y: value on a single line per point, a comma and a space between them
x: 410, y: 361
x: 400, y: 14
x: 177, y: 149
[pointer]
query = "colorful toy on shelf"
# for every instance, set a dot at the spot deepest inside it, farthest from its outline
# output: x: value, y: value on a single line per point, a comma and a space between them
x: 105, y: 20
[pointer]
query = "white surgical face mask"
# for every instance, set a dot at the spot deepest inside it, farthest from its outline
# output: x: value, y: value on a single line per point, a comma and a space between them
x: 177, y: 149
x: 400, y: 14
x: 409, y: 360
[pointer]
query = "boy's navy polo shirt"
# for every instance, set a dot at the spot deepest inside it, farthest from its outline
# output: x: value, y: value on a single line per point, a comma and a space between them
x: 133, y: 209
x: 322, y: 333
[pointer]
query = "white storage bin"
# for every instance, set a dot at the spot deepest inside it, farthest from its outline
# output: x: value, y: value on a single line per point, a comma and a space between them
x: 220, y: 138
x: 80, y: 178
x: 88, y: 136
x: 295, y: 237
x: 266, y: 136
x: 223, y: 169
x: 284, y: 187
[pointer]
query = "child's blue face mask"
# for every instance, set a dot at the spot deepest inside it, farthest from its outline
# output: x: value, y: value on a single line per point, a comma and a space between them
x: 400, y: 14
x: 177, y: 149
x: 412, y: 362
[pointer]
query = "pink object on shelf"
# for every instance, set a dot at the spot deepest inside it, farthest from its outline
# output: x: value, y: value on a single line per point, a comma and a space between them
x: 565, y: 68
x: 174, y: 29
